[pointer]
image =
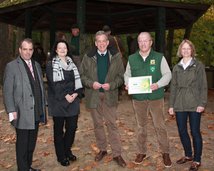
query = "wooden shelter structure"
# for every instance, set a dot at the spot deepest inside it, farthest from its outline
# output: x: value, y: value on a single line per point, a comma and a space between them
x: 123, y: 16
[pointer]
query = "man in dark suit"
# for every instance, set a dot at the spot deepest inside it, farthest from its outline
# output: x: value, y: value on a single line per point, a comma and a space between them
x: 24, y: 100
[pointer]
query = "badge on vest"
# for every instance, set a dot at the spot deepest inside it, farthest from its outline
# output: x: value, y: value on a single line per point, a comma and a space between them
x: 152, y: 65
x: 152, y: 62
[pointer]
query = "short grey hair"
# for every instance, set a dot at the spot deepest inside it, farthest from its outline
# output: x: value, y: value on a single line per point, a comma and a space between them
x: 100, y: 32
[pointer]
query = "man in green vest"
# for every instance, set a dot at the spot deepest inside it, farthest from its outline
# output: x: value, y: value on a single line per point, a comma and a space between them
x: 147, y: 62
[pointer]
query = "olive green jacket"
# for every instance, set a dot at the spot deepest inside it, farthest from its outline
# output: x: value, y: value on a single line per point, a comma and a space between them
x: 88, y: 73
x: 188, y: 88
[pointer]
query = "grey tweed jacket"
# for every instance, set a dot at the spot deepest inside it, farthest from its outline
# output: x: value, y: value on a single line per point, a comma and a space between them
x: 18, y: 95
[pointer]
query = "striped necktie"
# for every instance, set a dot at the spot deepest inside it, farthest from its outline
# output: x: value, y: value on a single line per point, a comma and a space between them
x: 31, y: 68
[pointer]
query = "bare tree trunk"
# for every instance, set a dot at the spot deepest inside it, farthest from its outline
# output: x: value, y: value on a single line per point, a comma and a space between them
x: 6, y: 47
x: 19, y: 36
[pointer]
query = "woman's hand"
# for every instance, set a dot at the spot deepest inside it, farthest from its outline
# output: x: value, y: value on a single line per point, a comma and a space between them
x: 171, y: 111
x: 200, y: 109
x: 70, y: 98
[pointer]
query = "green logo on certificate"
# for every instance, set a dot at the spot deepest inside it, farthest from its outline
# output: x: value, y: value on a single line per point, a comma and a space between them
x: 145, y: 84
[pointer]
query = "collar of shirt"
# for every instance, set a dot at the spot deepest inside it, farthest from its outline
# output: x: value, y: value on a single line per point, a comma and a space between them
x: 187, y: 64
x: 28, y: 61
x: 144, y: 56
x: 101, y: 53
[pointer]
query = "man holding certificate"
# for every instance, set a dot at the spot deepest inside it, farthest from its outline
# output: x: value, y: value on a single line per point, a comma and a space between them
x: 147, y: 73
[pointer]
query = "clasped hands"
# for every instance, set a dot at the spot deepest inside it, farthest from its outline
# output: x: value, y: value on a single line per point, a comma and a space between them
x: 70, y: 98
x: 97, y: 86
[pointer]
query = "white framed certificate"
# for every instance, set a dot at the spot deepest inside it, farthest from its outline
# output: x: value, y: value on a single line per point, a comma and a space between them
x: 140, y: 85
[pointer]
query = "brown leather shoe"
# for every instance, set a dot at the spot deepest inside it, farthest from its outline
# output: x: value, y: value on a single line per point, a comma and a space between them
x: 194, y: 166
x: 184, y: 160
x: 139, y: 159
x: 166, y: 160
x: 119, y: 160
x: 100, y: 155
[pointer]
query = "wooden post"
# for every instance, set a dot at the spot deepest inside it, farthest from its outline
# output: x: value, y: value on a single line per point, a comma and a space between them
x: 188, y: 32
x: 160, y: 29
x: 169, y: 48
x: 28, y: 23
x: 81, y: 15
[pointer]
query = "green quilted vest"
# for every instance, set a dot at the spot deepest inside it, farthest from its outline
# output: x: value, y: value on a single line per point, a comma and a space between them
x: 150, y: 67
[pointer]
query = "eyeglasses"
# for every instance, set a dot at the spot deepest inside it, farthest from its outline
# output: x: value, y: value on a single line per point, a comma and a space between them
x: 143, y: 41
x: 186, y: 49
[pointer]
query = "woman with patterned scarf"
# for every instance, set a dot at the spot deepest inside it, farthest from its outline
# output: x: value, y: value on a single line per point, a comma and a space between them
x: 64, y: 93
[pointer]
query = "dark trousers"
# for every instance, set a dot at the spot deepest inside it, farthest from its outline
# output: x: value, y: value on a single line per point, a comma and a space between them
x: 64, y: 134
x: 25, y: 146
x: 194, y: 121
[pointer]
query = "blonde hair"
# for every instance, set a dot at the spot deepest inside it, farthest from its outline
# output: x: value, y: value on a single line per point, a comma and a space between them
x: 193, y: 52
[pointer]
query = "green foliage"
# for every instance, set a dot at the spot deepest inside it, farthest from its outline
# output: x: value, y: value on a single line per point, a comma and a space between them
x: 202, y: 36
x: 36, y: 36
x: 8, y: 3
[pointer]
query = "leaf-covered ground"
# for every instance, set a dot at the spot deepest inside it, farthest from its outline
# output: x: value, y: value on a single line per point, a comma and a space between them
x: 85, y: 147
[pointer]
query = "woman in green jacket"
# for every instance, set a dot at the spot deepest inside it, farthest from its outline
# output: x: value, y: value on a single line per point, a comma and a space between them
x: 188, y: 97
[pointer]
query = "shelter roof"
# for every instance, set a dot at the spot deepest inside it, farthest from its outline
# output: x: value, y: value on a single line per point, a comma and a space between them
x: 123, y: 16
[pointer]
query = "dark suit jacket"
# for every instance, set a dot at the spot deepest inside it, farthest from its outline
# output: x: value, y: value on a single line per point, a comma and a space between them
x: 18, y: 96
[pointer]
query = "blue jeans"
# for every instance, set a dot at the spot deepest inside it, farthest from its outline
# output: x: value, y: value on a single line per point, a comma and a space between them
x: 194, y: 121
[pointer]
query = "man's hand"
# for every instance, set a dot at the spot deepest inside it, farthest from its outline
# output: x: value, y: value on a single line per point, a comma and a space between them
x: 96, y: 85
x: 126, y: 87
x: 154, y: 86
x: 12, y: 116
x: 106, y: 86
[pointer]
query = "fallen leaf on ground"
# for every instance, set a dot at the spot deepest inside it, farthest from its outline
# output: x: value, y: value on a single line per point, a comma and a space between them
x: 131, y: 165
x: 210, y: 126
x: 95, y: 148
x: 89, y: 167
x: 5, y: 165
x: 107, y: 159
x: 2, y: 151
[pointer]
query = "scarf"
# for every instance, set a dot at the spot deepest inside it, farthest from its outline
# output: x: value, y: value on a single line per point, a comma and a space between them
x: 58, y: 66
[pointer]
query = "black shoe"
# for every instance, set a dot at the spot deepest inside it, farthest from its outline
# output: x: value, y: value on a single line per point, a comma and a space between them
x: 32, y: 169
x: 72, y: 157
x: 65, y: 162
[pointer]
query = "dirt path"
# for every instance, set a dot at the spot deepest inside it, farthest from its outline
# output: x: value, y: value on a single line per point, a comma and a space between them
x: 85, y: 147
